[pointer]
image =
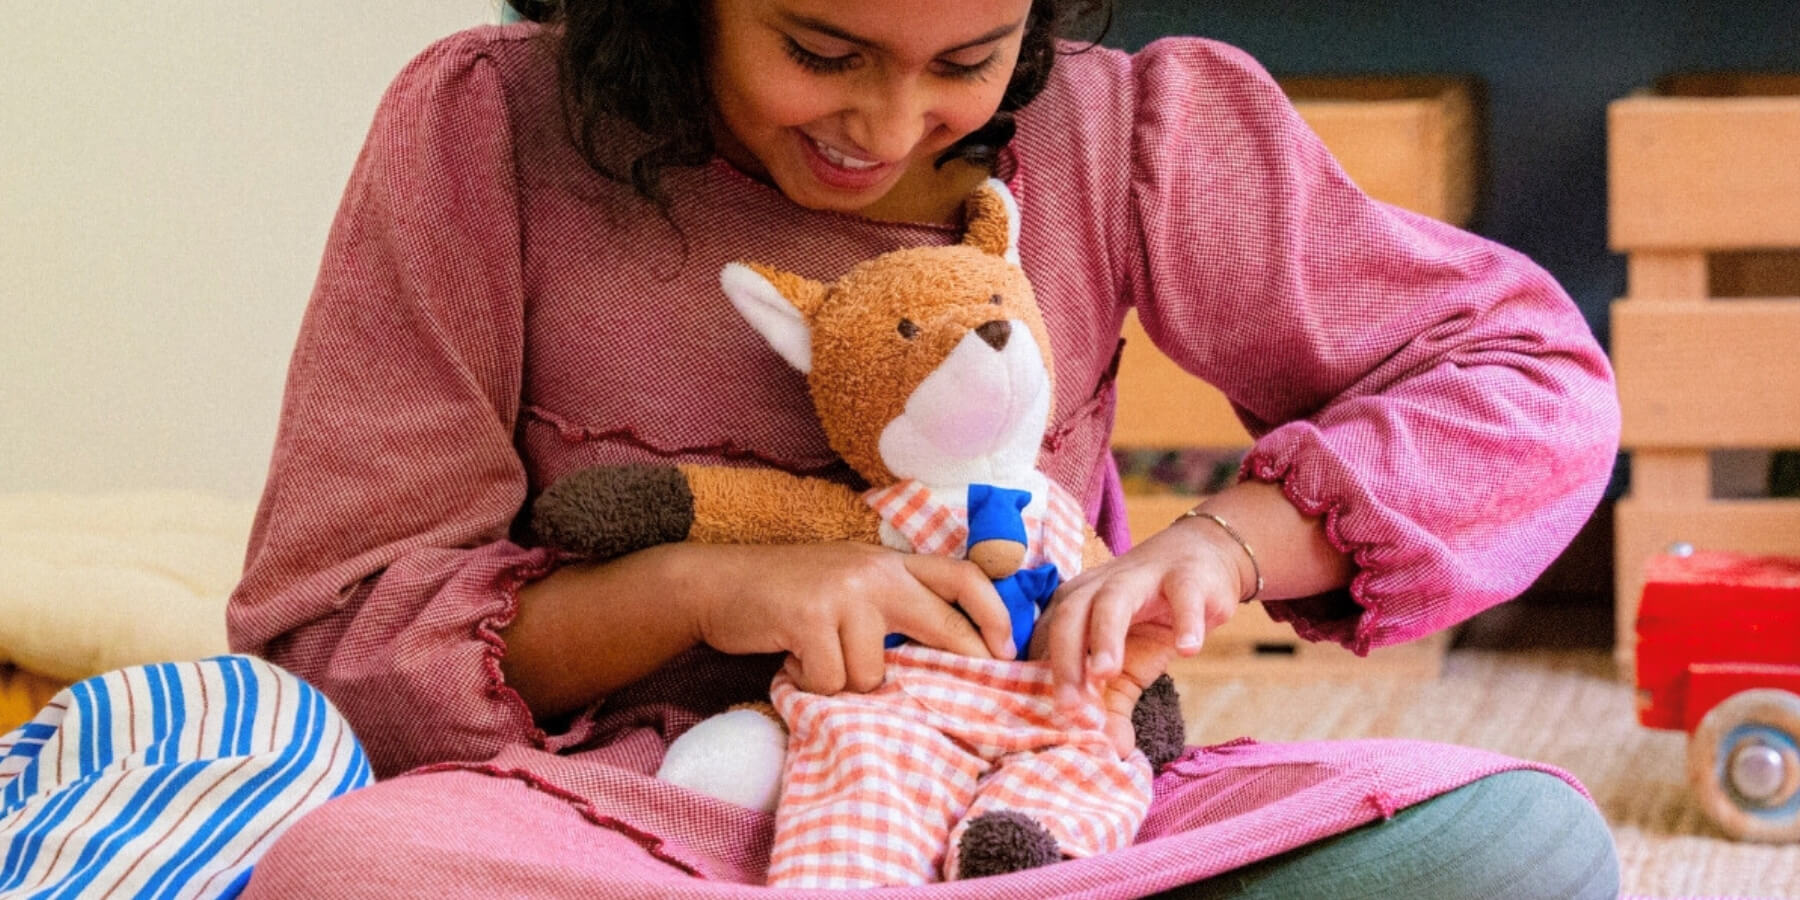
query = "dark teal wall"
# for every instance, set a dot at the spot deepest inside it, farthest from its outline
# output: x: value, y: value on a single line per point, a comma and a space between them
x: 1549, y: 70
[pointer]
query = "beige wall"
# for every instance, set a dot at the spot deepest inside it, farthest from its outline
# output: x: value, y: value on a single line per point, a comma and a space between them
x: 166, y: 181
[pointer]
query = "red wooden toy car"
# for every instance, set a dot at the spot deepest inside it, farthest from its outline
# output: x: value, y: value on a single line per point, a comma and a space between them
x: 1718, y: 656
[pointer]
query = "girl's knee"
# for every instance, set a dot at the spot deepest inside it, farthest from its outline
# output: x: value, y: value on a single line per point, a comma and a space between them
x: 1523, y: 833
x: 1555, y: 838
x: 1517, y: 834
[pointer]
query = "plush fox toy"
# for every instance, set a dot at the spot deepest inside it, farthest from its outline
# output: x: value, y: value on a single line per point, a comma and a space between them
x: 931, y: 374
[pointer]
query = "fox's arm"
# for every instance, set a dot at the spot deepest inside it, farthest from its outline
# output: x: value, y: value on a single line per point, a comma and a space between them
x: 609, y: 511
x: 767, y: 506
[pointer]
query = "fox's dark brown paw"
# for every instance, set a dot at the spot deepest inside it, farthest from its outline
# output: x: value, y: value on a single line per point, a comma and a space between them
x: 1161, y: 733
x: 1003, y: 841
x: 609, y: 511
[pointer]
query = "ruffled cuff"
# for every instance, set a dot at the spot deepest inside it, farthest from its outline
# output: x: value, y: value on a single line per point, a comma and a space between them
x: 1363, y: 615
x: 567, y: 733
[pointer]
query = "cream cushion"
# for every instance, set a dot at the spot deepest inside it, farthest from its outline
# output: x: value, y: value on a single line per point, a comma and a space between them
x: 93, y: 582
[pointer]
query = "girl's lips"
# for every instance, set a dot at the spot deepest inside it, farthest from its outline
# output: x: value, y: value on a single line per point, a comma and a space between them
x: 838, y: 177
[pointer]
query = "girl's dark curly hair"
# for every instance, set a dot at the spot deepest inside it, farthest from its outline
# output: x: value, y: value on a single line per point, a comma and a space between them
x: 644, y: 61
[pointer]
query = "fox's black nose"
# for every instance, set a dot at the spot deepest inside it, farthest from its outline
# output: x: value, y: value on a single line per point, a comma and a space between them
x: 996, y: 333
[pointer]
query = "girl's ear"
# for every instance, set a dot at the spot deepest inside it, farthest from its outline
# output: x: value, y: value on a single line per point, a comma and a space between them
x: 778, y: 305
x: 991, y: 220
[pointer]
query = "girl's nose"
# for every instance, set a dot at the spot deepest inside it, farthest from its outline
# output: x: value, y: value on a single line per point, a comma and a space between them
x: 891, y: 121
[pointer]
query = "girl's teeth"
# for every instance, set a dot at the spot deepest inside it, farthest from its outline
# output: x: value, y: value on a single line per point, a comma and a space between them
x: 839, y: 159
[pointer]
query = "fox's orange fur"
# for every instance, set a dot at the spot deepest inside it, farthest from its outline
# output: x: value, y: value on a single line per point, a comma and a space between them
x: 874, y: 335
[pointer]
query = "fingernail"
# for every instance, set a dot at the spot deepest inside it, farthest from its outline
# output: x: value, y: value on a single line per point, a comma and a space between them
x: 1101, y: 662
x: 1188, y: 642
x: 1009, y: 652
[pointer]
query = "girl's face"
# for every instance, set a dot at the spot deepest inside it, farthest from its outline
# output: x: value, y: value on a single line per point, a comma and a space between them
x: 835, y: 100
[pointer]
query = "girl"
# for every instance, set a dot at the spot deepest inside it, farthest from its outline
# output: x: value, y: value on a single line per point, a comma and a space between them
x: 522, y: 281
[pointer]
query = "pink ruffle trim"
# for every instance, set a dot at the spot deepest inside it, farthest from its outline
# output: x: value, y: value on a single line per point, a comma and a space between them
x: 1261, y: 465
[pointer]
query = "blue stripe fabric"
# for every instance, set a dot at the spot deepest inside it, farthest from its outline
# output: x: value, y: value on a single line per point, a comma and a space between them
x: 177, y: 706
x: 234, y: 813
x: 167, y: 780
x: 228, y: 681
x: 159, y: 719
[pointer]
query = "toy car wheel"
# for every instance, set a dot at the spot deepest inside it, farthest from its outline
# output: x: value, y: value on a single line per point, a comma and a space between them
x: 1744, y: 765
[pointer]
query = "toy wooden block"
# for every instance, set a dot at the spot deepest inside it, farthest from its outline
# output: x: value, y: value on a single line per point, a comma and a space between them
x: 1704, y: 200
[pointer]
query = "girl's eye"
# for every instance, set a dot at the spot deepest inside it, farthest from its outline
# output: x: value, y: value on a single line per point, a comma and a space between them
x: 813, y: 62
x: 968, y: 71
x: 908, y: 330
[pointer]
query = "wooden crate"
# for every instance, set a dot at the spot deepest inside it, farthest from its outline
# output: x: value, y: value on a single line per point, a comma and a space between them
x: 1704, y: 200
x: 1410, y: 141
x: 1413, y: 141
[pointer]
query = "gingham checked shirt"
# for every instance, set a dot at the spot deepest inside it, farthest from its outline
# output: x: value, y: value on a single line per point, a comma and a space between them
x: 940, y: 525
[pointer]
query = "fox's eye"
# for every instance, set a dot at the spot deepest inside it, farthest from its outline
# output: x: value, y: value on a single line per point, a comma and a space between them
x: 908, y: 330
x: 996, y: 300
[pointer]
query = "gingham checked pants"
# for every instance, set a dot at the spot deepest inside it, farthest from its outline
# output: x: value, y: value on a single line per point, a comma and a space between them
x: 881, y: 785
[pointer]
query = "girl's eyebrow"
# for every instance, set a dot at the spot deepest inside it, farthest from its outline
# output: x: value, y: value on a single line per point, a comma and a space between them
x: 829, y: 30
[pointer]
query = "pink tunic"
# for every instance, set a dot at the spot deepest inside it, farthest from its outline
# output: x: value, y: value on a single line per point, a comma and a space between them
x: 490, y: 315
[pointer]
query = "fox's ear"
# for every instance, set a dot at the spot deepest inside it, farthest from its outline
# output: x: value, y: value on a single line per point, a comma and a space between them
x: 991, y: 220
x: 778, y: 305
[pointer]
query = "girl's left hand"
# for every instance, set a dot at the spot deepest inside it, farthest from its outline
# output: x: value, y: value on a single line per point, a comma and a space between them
x: 1113, y: 629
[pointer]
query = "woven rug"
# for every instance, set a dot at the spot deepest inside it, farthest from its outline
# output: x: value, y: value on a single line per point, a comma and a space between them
x: 1565, y: 708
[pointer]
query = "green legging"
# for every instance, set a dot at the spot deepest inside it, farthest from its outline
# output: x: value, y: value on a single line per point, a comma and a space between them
x: 1519, y: 834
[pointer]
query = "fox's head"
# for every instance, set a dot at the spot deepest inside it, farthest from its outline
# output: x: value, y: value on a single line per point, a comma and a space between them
x: 929, y: 363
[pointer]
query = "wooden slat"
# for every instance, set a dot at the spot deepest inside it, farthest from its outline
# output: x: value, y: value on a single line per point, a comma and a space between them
x: 1666, y: 275
x: 1671, y: 476
x: 1393, y: 150
x: 1703, y: 173
x: 1644, y: 528
x: 1730, y: 84
x: 1708, y: 374
x: 1161, y: 405
x: 1251, y: 625
x: 1407, y: 140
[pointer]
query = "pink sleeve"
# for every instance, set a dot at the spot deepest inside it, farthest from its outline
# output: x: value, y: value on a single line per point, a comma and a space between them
x: 1437, y: 397
x: 378, y: 567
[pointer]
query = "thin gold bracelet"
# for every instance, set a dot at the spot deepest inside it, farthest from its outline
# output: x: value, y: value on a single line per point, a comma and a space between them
x: 1255, y: 567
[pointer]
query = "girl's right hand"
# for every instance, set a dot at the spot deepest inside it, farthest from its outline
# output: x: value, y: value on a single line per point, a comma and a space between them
x: 832, y: 605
